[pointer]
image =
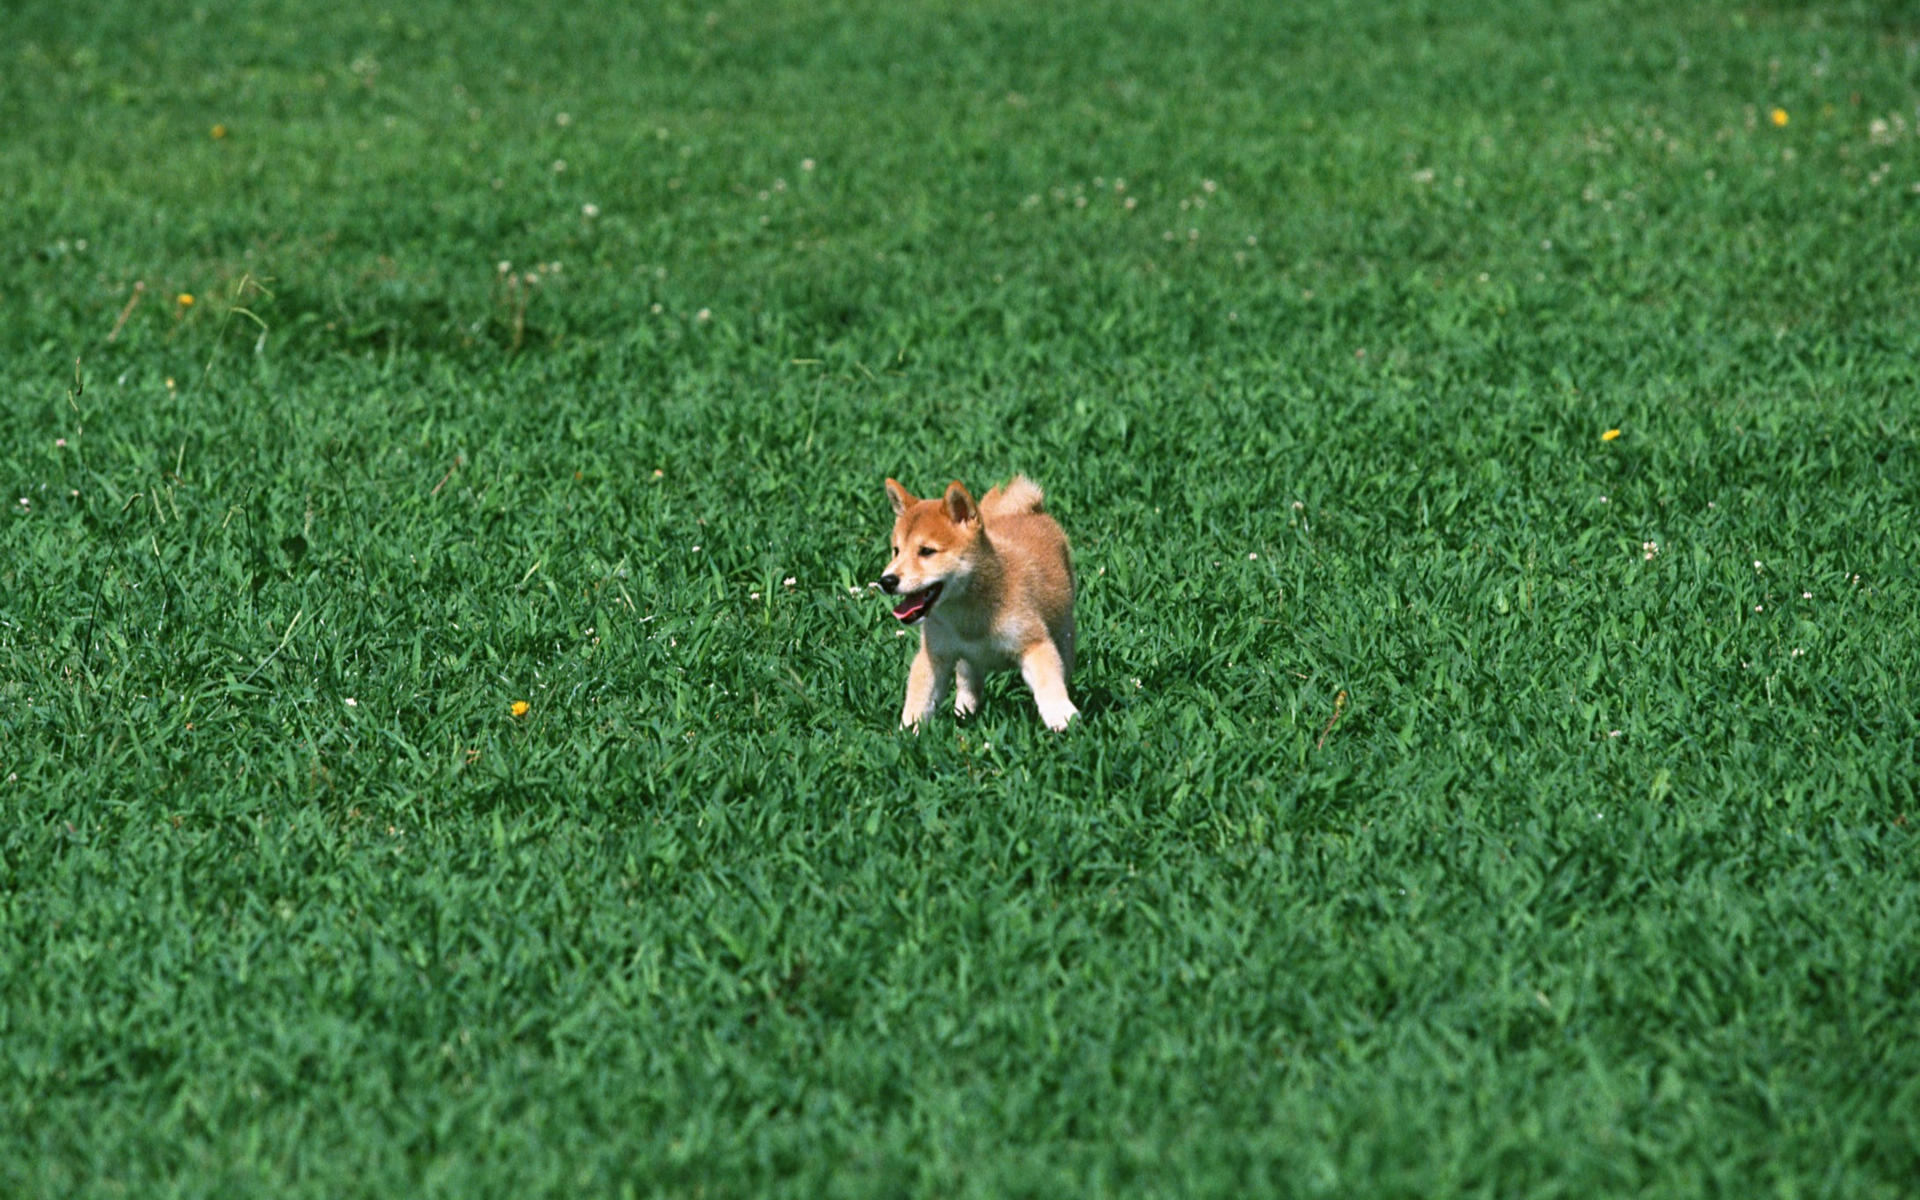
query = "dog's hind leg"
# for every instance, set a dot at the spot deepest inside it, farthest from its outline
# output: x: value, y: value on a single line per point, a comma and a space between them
x: 1041, y: 667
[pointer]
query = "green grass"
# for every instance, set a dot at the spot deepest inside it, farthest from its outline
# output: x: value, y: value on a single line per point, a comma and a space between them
x: 1604, y: 881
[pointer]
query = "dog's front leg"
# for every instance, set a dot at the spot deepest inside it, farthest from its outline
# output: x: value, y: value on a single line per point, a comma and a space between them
x: 926, y: 683
x: 966, y: 686
x: 1041, y: 667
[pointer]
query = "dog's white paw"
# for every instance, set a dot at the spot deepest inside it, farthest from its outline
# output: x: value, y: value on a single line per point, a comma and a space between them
x: 1058, y: 713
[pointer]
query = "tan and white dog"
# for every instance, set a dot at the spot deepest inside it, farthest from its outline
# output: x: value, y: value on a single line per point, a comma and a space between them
x: 991, y: 587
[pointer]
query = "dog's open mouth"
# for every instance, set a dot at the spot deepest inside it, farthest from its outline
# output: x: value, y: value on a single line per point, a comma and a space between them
x: 914, y: 605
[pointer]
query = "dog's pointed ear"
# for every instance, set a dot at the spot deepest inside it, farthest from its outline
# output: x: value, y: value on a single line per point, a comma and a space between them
x: 961, y: 509
x: 900, y: 496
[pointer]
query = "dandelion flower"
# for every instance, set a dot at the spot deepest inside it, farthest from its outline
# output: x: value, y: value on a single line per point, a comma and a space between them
x: 217, y: 132
x: 520, y: 708
x: 1610, y: 435
x: 185, y: 299
x: 1779, y: 118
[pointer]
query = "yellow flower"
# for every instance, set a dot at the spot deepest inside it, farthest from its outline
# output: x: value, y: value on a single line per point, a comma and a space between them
x: 1609, y: 435
x: 218, y: 132
x: 185, y: 299
x: 1778, y: 116
x: 520, y: 708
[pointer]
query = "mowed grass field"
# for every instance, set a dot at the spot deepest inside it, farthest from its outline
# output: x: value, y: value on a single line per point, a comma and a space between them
x: 1467, y: 801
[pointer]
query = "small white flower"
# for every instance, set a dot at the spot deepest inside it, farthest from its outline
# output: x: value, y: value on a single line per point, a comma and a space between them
x: 559, y: 165
x: 352, y: 703
x: 589, y: 211
x: 61, y: 442
x: 806, y: 164
x: 1251, y: 556
x: 753, y: 595
x: 705, y: 314
x: 696, y: 549
x: 1613, y: 733
x: 789, y: 581
x: 1806, y: 595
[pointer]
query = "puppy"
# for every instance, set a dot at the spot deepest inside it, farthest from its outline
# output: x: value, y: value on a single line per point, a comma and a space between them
x: 991, y: 587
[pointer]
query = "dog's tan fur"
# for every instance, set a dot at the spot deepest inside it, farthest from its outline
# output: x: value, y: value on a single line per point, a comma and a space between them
x: 1005, y: 601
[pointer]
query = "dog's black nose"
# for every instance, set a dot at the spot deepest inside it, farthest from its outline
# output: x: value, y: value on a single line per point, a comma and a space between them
x: 889, y: 584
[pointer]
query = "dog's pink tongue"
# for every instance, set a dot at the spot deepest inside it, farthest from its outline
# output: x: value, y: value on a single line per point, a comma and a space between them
x: 911, y: 607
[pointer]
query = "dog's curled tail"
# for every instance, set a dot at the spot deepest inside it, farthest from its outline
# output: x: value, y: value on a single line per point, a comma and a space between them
x: 1021, y: 495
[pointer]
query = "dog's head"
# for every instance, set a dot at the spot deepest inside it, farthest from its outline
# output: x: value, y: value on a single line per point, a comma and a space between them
x: 933, y: 541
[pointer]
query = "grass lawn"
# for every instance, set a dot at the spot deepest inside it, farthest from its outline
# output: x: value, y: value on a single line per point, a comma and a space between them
x: 1468, y: 801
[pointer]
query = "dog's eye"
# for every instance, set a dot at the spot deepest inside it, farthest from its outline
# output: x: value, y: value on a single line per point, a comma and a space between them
x: 896, y: 552
x: 926, y: 550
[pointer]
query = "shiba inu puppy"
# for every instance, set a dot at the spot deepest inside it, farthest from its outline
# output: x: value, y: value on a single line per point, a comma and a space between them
x: 991, y: 587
